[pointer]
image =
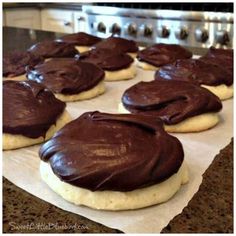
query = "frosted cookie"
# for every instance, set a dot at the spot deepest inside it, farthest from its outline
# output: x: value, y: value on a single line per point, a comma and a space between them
x: 215, y: 78
x: 113, y: 162
x: 14, y: 64
x: 31, y: 114
x: 151, y: 58
x: 82, y: 41
x: 224, y: 59
x: 183, y: 106
x: 69, y: 79
x: 53, y: 48
x: 116, y: 65
x: 119, y: 44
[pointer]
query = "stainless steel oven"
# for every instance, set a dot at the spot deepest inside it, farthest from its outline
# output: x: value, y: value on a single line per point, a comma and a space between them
x: 191, y: 27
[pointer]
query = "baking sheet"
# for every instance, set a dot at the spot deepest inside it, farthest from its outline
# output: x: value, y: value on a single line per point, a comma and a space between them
x: 21, y: 166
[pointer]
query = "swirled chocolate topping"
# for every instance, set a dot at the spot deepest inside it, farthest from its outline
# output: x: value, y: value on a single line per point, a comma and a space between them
x: 29, y: 108
x: 195, y: 71
x: 220, y: 52
x: 223, y: 62
x: 100, y: 151
x: 81, y: 39
x: 106, y: 59
x: 66, y: 75
x: 53, y: 48
x: 161, y: 54
x: 14, y: 63
x: 172, y: 101
x: 220, y: 57
x: 118, y: 44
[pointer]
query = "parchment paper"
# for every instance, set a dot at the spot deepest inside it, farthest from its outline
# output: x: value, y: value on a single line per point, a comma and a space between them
x: 22, y: 166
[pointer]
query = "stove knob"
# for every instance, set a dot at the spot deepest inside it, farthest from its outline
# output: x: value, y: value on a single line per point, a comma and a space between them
x: 181, y: 33
x: 115, y: 29
x: 163, y: 32
x: 147, y: 32
x: 132, y: 29
x: 222, y: 37
x: 201, y: 35
x: 101, y: 27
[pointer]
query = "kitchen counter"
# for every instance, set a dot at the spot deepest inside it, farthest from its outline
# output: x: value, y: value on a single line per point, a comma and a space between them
x: 210, y: 210
x: 22, y: 39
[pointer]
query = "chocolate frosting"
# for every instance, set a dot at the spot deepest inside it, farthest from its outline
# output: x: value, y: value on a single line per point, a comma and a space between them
x: 53, y: 48
x: 161, y: 54
x: 220, y: 52
x: 220, y: 57
x: 100, y: 151
x: 225, y: 63
x: 29, y: 108
x: 106, y: 59
x: 118, y: 44
x: 66, y: 75
x: 172, y: 101
x: 81, y: 39
x: 14, y: 63
x: 195, y: 71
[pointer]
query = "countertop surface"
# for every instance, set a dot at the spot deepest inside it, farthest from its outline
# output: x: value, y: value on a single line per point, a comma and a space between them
x: 210, y: 210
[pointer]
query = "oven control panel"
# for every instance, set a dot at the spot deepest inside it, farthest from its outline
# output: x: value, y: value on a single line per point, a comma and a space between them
x: 193, y: 29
